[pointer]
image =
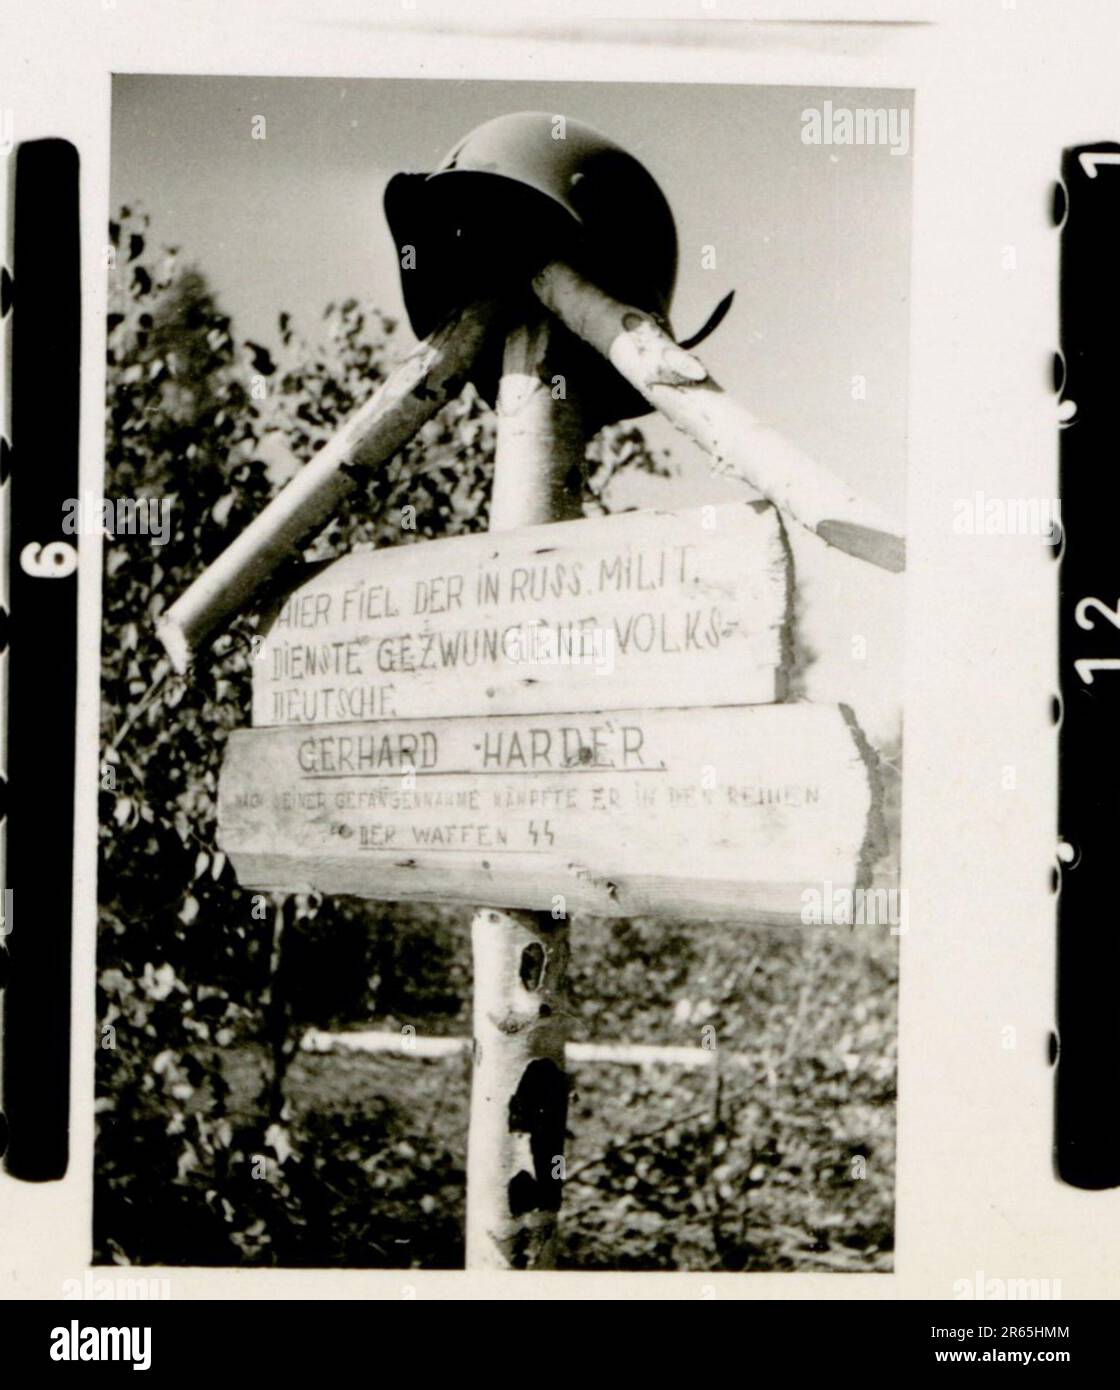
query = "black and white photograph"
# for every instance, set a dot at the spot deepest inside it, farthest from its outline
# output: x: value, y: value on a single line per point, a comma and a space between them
x: 558, y: 644
x: 501, y: 675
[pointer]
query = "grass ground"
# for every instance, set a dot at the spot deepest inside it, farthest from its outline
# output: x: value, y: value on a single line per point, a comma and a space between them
x: 784, y: 1162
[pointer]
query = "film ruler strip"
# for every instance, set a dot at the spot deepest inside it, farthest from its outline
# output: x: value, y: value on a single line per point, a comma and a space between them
x: 40, y: 657
x: 1087, y: 1108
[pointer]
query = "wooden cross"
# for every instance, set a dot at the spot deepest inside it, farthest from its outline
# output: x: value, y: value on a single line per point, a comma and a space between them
x: 287, y: 839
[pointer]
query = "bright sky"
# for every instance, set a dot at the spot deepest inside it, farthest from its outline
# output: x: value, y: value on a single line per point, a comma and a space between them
x: 814, y: 239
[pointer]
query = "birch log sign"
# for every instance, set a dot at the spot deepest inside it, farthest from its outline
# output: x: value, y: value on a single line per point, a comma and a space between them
x: 618, y: 612
x: 715, y: 813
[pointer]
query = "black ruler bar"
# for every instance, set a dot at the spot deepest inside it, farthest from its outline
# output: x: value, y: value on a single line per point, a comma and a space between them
x: 42, y: 657
x: 1088, y: 1073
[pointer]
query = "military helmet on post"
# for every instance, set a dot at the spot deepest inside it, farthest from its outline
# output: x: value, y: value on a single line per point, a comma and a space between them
x: 516, y: 192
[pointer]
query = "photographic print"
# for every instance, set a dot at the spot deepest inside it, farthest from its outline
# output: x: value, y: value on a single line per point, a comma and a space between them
x: 501, y: 674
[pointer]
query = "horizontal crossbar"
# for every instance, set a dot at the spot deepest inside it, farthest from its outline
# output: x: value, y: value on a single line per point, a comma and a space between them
x: 410, y: 1045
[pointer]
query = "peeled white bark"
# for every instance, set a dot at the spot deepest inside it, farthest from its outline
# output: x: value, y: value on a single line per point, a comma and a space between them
x: 677, y: 384
x: 519, y: 1089
x: 539, y: 452
x: 431, y: 375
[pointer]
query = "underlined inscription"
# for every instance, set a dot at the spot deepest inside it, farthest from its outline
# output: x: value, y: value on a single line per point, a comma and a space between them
x: 684, y: 807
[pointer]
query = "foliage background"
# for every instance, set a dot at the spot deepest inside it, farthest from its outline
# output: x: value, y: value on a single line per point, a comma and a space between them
x: 219, y: 1141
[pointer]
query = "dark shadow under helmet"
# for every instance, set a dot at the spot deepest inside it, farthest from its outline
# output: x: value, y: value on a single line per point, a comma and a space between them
x: 515, y: 193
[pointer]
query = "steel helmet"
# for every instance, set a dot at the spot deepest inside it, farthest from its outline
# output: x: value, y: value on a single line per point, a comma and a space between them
x: 514, y: 193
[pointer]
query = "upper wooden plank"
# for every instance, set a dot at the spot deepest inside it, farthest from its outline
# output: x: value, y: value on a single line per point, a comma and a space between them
x: 621, y: 612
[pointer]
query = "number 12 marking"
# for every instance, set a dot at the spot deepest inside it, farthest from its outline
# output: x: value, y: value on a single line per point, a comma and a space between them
x: 1088, y: 665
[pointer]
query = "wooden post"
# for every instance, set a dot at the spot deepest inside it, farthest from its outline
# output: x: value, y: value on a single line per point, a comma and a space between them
x: 519, y: 1091
x: 678, y: 384
x: 432, y: 374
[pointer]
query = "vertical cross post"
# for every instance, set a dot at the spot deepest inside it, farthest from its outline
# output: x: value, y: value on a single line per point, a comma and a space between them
x: 519, y: 1089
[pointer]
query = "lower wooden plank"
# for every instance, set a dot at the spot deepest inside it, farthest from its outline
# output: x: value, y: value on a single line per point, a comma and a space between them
x: 728, y: 813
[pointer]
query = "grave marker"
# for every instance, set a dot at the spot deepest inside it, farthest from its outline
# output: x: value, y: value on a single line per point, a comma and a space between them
x: 544, y: 719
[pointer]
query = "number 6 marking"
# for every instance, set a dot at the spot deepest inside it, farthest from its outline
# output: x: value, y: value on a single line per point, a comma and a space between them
x: 53, y: 561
